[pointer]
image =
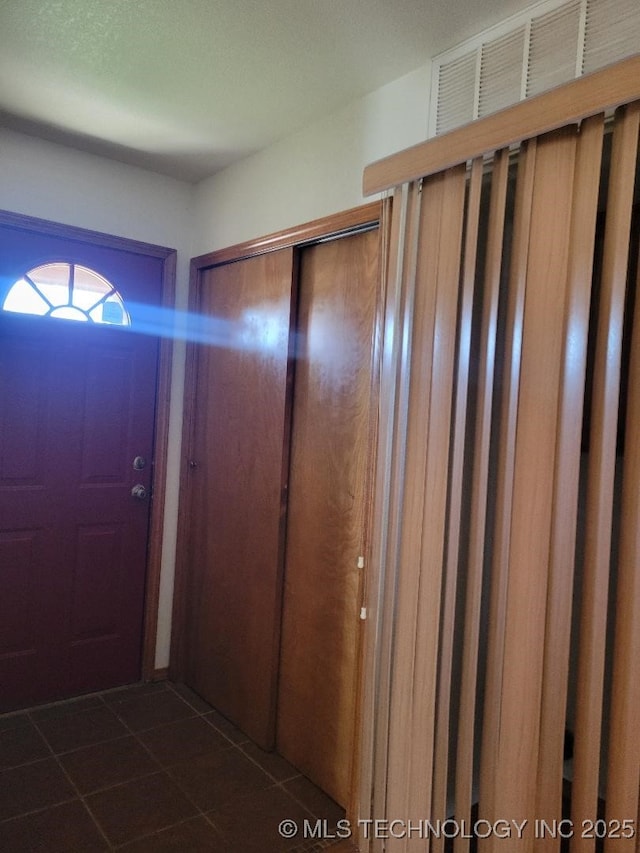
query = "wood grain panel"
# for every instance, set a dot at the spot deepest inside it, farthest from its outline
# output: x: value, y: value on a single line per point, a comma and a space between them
x: 419, y: 369
x: 601, y: 469
x: 421, y: 546
x: 432, y: 557
x: 237, y: 490
x: 517, y: 759
x: 479, y: 487
x: 567, y: 475
x: 328, y: 506
x: 623, y: 777
x: 504, y: 485
x: 441, y: 771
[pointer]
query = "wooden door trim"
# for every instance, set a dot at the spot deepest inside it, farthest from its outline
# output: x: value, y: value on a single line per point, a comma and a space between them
x: 83, y: 235
x: 309, y: 232
x: 177, y: 661
x: 161, y: 445
x: 22, y: 222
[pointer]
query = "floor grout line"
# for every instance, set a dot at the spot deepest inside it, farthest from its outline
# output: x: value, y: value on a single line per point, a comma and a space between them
x: 38, y: 810
x: 83, y: 797
x: 240, y: 746
x: 160, y: 770
x: 79, y: 796
x: 200, y: 812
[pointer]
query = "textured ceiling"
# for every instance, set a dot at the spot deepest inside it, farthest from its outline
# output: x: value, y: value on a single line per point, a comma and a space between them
x: 185, y: 87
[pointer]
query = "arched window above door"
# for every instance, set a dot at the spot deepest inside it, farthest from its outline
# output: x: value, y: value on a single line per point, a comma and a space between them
x: 67, y: 291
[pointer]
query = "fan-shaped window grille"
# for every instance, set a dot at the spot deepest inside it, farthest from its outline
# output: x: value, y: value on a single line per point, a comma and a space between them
x: 67, y: 291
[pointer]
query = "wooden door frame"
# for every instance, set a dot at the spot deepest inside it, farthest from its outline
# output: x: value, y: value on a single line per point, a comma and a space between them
x: 46, y: 227
x: 329, y: 227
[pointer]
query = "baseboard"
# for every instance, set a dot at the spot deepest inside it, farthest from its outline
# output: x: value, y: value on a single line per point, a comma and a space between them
x: 160, y: 674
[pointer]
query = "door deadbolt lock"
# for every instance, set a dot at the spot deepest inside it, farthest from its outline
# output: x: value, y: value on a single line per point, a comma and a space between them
x: 139, y: 463
x: 139, y: 492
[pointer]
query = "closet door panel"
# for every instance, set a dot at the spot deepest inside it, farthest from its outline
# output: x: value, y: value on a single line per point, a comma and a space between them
x: 237, y: 489
x: 330, y: 453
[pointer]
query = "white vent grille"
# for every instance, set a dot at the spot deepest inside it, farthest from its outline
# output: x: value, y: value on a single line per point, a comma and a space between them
x: 457, y: 85
x: 501, y: 72
x: 553, y: 48
x: 549, y: 44
x: 612, y: 32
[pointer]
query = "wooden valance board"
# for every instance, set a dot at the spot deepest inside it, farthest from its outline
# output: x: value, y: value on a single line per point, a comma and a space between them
x: 507, y: 516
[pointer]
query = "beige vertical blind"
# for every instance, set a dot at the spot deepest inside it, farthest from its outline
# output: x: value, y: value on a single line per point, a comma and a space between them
x: 508, y: 520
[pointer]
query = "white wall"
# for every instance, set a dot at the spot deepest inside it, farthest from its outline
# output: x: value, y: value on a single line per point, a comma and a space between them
x: 313, y: 173
x: 61, y: 184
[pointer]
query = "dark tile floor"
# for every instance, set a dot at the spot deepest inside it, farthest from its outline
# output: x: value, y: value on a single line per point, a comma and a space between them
x: 147, y: 768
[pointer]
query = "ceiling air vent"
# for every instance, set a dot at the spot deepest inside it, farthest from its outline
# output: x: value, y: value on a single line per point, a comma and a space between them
x: 501, y: 72
x: 457, y: 91
x: 553, y: 48
x: 547, y: 45
x: 612, y: 31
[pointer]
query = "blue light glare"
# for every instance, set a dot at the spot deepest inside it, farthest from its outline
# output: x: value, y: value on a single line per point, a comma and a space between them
x: 259, y: 329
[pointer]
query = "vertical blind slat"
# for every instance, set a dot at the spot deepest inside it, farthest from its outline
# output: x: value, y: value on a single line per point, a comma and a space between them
x: 443, y: 720
x: 567, y: 475
x: 504, y: 484
x: 401, y: 651
x: 414, y: 497
x: 475, y: 561
x: 444, y: 271
x: 602, y: 454
x: 388, y: 481
x: 623, y: 779
x: 517, y: 759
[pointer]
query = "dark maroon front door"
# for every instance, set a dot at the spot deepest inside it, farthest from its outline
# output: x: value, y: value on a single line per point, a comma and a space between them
x: 77, y: 402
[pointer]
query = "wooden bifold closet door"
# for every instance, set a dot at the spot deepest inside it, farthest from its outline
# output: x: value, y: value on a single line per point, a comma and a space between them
x: 274, y: 515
